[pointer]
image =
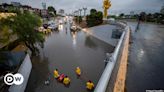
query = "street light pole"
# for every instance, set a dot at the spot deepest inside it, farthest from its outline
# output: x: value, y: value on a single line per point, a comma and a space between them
x: 74, y: 13
x: 77, y: 16
x: 80, y: 14
x: 84, y: 11
x: 80, y: 11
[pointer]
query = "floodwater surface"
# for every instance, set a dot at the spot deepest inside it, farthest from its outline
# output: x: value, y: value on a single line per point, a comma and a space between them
x: 65, y: 50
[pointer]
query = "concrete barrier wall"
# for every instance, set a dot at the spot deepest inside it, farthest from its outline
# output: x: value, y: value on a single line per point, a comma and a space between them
x: 25, y: 70
x: 103, y: 82
x: 119, y: 85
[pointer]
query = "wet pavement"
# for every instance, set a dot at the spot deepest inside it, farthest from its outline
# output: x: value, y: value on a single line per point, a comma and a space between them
x: 104, y: 33
x: 146, y: 60
x: 65, y: 51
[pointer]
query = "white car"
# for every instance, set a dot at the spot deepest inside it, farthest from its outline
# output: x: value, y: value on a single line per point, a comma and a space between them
x: 60, y: 22
x: 74, y: 28
x: 53, y: 26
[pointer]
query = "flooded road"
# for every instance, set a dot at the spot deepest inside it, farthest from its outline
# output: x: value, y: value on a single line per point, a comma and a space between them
x: 146, y: 60
x: 65, y: 51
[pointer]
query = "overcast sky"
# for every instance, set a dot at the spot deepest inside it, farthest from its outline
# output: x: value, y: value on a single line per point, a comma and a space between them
x: 118, y: 6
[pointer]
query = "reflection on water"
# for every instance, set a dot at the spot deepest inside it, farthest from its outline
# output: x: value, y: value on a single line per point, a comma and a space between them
x: 89, y: 42
x: 88, y: 32
x: 60, y: 53
x: 60, y: 27
x: 39, y: 71
x: 73, y: 34
x: 140, y: 54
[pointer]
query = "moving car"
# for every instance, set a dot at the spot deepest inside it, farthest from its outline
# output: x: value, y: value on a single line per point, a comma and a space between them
x: 60, y: 22
x: 74, y: 28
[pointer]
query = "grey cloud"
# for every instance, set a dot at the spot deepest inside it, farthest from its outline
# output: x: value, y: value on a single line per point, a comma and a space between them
x: 117, y: 5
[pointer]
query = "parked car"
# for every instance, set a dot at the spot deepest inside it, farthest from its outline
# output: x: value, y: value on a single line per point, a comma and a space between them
x: 53, y: 26
x: 60, y: 22
x: 43, y: 30
x: 45, y: 26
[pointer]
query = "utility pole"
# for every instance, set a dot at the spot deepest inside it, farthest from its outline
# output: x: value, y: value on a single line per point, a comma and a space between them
x: 80, y: 15
x: 74, y: 13
x: 85, y: 9
x: 80, y: 11
x: 77, y: 16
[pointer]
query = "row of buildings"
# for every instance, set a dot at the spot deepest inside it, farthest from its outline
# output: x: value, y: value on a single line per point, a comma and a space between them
x: 4, y: 7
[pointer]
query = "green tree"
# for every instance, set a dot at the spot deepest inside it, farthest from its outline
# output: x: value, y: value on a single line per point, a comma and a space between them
x: 95, y: 18
x: 4, y: 35
x: 25, y: 25
x: 112, y: 16
x: 13, y: 9
x: 149, y: 18
x: 78, y: 18
x: 157, y: 17
x: 99, y: 17
x: 5, y: 24
x: 51, y: 10
x: 121, y: 15
x: 162, y: 10
x: 93, y: 11
x: 143, y: 16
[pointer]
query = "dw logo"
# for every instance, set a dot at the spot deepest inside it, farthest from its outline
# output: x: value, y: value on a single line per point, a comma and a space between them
x: 11, y: 79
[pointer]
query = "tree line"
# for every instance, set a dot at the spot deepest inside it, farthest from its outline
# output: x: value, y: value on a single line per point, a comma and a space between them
x: 95, y: 18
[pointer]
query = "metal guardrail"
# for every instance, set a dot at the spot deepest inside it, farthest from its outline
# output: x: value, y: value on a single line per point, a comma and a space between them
x: 106, y: 75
